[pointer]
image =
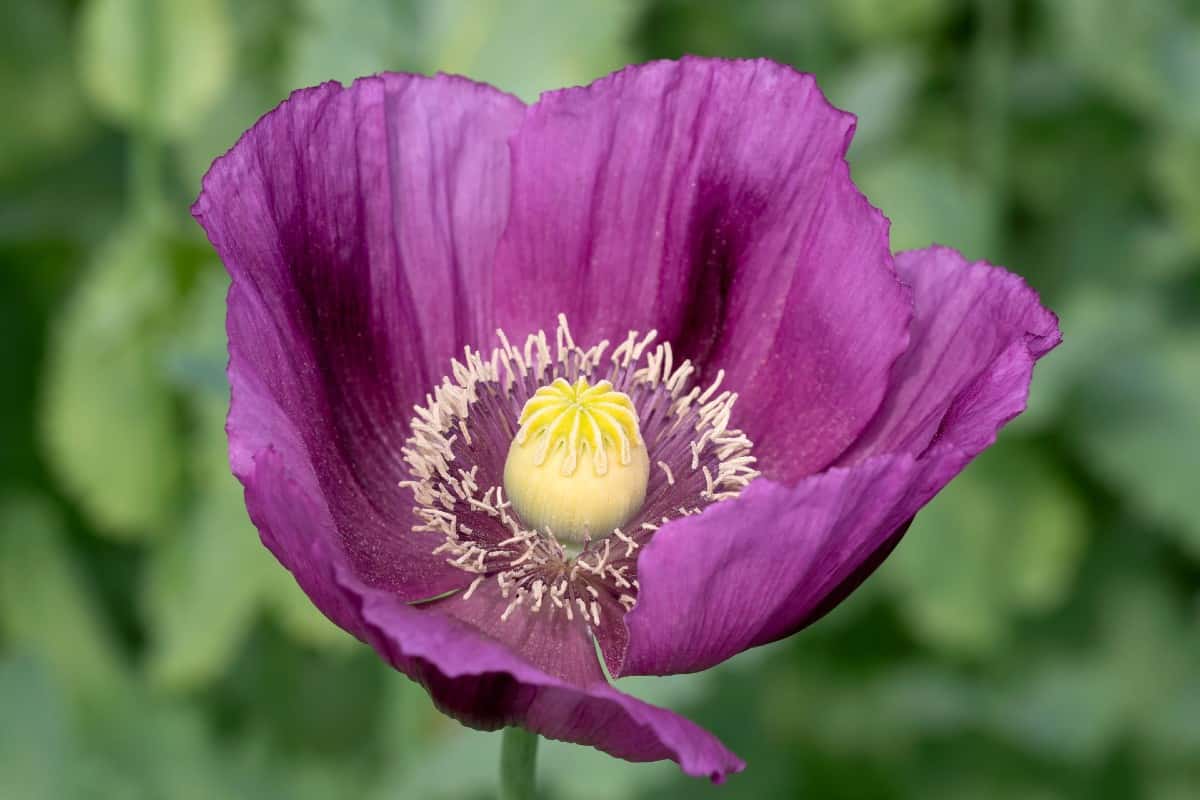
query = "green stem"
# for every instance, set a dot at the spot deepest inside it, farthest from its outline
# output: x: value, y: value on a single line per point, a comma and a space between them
x: 518, y: 762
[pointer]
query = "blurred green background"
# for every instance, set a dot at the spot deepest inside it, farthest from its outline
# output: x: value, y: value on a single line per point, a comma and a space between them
x: 1037, y: 635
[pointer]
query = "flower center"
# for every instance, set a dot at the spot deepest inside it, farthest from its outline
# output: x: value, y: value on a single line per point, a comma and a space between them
x: 531, y: 468
x: 546, y: 476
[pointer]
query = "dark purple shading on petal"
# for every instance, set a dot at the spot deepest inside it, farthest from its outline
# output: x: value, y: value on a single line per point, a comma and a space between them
x: 478, y: 680
x: 761, y: 567
x: 711, y: 200
x: 359, y: 226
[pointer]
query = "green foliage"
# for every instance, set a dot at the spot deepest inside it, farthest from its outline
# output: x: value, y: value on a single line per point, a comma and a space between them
x: 930, y: 202
x: 36, y: 85
x: 154, y: 63
x: 475, y: 38
x: 1176, y: 170
x: 1154, y: 453
x: 329, y: 44
x: 467, y: 37
x: 31, y: 753
x: 47, y: 608
x: 1034, y: 636
x: 204, y: 586
x: 869, y: 21
x: 1158, y: 71
x: 881, y: 88
x: 107, y: 419
x: 1004, y: 540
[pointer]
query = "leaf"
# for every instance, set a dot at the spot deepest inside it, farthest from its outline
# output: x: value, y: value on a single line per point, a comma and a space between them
x: 880, y: 90
x: 237, y: 111
x: 870, y: 21
x: 1067, y: 707
x: 1145, y: 54
x: 46, y: 606
x: 297, y: 615
x: 576, y: 42
x: 339, y: 41
x: 1176, y: 173
x: 1098, y: 326
x: 37, y: 86
x: 106, y: 417
x: 153, y: 748
x: 1002, y: 541
x: 260, y: 46
x: 1132, y: 681
x: 158, y: 63
x: 35, y: 741
x: 1138, y: 426
x: 195, y: 358
x: 203, y: 590
x: 1123, y: 390
x: 930, y: 201
x: 1182, y: 785
x: 1178, y: 65
x: 205, y: 585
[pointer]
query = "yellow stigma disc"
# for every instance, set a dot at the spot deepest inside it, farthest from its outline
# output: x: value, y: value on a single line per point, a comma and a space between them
x: 578, y: 466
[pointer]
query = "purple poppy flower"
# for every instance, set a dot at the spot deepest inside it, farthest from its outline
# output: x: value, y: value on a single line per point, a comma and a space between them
x: 484, y: 509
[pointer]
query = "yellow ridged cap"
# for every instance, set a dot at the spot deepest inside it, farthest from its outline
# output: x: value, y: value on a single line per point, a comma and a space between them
x: 578, y: 466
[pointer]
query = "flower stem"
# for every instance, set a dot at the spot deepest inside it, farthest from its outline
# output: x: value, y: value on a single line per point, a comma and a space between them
x: 518, y: 761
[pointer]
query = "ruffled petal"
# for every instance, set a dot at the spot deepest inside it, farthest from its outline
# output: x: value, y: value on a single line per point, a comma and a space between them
x: 471, y: 676
x: 359, y: 225
x: 762, y: 566
x: 711, y: 200
x: 965, y: 316
x: 485, y: 685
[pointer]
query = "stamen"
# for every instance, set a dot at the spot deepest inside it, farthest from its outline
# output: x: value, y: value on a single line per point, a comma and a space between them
x: 474, y: 585
x: 594, y: 413
x: 630, y: 544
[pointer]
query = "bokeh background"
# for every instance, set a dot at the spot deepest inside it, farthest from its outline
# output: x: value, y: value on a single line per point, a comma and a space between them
x: 1037, y: 635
